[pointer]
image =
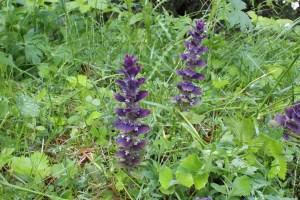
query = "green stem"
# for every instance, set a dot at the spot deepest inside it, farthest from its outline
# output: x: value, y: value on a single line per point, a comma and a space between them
x: 284, y: 74
x: 31, y: 191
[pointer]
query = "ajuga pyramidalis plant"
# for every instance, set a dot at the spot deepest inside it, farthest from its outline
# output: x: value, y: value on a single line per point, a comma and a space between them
x: 130, y: 145
x: 189, y: 91
x: 291, y: 119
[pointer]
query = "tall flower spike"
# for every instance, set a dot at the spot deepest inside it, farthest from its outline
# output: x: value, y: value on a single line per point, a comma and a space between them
x: 129, y: 143
x: 189, y: 91
x: 291, y: 119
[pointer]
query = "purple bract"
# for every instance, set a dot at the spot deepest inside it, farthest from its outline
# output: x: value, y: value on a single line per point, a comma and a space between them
x: 128, y: 142
x: 189, y: 91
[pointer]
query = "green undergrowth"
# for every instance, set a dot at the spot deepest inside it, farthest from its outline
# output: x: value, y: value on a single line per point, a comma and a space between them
x: 58, y: 67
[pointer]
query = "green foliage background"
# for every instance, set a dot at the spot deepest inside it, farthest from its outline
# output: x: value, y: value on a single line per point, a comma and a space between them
x: 58, y: 66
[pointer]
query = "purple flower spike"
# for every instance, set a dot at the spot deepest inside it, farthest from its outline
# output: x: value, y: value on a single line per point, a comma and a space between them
x: 124, y: 141
x: 120, y: 98
x: 139, y: 145
x: 141, y: 129
x: 140, y: 95
x: 124, y: 126
x: 192, y: 60
x: 291, y: 119
x: 128, y: 142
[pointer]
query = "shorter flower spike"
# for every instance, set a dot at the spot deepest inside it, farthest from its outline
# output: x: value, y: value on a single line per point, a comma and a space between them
x: 291, y: 119
x: 128, y: 141
x: 189, y: 91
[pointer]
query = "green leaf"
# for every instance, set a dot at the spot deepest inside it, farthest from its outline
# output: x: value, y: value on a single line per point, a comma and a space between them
x: 136, y: 18
x: 165, y: 177
x: 184, y: 177
x: 200, y: 180
x: 279, y: 167
x: 191, y: 163
x: 237, y: 16
x: 3, y: 108
x: 219, y: 188
x: 35, y: 165
x: 82, y: 80
x: 275, y: 148
x: 6, y: 156
x: 39, y: 163
x: 94, y: 115
x: 6, y: 59
x: 243, y: 128
x: 241, y: 186
x: 218, y: 83
x: 98, y: 4
x: 21, y: 165
x: 193, y: 118
x: 238, y: 4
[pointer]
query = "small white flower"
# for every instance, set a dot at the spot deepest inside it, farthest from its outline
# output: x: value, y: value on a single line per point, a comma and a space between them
x: 295, y: 5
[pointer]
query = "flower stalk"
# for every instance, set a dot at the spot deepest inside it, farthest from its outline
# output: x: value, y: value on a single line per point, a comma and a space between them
x: 129, y: 143
x: 189, y: 91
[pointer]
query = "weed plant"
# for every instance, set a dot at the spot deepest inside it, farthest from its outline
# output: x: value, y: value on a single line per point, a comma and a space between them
x: 58, y: 74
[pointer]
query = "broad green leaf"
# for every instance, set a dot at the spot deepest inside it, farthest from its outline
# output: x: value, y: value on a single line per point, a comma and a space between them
x: 21, y: 165
x: 39, y: 163
x: 184, y: 177
x: 28, y: 106
x: 279, y: 167
x: 82, y: 80
x: 243, y: 128
x: 241, y: 186
x: 218, y: 83
x: 98, y: 4
x: 6, y: 156
x: 200, y: 180
x: 165, y: 177
x: 191, y: 163
x: 219, y: 188
x: 94, y: 115
x: 275, y: 148
x: 35, y: 165
x: 169, y: 190
x: 136, y: 18
x: 238, y: 4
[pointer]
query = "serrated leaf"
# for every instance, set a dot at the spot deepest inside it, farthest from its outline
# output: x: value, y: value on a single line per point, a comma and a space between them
x: 275, y: 148
x: 35, y: 165
x: 241, y: 186
x: 238, y: 4
x: 279, y: 167
x: 191, y: 163
x: 39, y: 163
x: 200, y: 180
x: 165, y: 177
x: 243, y: 128
x: 6, y: 156
x: 21, y: 165
x: 184, y: 177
